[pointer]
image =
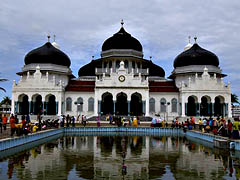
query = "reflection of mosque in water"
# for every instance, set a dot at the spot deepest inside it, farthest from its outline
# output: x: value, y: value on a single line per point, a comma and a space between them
x: 133, y: 157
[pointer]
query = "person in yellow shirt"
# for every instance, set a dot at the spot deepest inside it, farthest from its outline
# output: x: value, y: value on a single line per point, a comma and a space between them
x: 163, y: 123
x: 236, y: 129
x: 135, y: 123
x: 34, y: 129
x: 200, y: 124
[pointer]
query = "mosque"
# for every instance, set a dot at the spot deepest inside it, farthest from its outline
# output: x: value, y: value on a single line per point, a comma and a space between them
x: 121, y: 82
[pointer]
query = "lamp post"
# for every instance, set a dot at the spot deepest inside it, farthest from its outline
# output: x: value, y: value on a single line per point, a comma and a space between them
x: 166, y: 105
x: 78, y: 104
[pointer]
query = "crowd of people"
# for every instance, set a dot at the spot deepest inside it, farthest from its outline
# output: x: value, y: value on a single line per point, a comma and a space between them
x: 122, y: 121
x: 24, y: 126
x: 217, y: 126
x: 70, y: 121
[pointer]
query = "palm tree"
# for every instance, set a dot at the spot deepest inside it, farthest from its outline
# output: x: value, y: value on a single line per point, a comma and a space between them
x: 2, y: 80
x: 234, y: 99
x: 6, y: 100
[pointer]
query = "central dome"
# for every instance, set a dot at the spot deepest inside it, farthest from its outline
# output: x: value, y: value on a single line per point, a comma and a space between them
x: 122, y: 40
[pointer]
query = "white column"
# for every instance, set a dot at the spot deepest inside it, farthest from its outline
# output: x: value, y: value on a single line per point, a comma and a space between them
x: 13, y: 105
x: 183, y: 107
x: 60, y: 105
x: 229, y: 109
x: 95, y: 104
x: 147, y: 104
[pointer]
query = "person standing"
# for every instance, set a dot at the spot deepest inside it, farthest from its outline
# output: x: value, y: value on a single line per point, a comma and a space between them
x: 73, y: 121
x: 229, y: 128
x: 236, y: 129
x: 84, y: 121
x: 61, y: 121
x: 68, y: 120
x: 98, y: 121
x: 12, y: 125
x: 28, y: 119
x: 4, y: 122
x: 39, y: 122
x: 16, y: 119
x: 1, y: 123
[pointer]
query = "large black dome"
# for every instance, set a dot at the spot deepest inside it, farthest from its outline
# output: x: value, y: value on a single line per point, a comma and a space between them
x: 122, y: 40
x: 89, y: 69
x: 196, y: 56
x: 47, y: 54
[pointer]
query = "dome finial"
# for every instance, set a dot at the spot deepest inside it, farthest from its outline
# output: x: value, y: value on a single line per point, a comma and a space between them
x: 150, y: 58
x: 195, y: 38
x: 189, y: 39
x: 122, y: 23
x: 48, y: 36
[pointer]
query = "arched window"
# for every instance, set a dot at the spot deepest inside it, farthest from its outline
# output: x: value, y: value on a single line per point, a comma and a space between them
x: 91, y: 104
x: 152, y: 105
x: 174, y: 105
x: 163, y: 104
x: 80, y: 104
x: 69, y: 104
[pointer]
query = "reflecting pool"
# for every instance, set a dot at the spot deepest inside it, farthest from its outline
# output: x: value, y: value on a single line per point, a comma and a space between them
x: 121, y: 157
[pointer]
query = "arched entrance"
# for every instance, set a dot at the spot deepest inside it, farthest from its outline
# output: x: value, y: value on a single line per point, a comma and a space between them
x: 205, y: 106
x: 121, y: 104
x: 51, y: 105
x: 107, y: 103
x: 136, y: 104
x: 191, y: 106
x: 23, y: 104
x: 38, y: 105
x: 218, y: 106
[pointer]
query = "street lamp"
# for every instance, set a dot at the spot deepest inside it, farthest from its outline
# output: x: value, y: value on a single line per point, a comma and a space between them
x: 78, y: 104
x: 166, y: 105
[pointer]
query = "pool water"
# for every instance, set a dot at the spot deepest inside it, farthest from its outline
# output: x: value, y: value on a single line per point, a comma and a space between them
x: 121, y: 157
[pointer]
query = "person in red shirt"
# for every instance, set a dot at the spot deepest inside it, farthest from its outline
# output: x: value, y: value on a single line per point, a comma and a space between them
x: 12, y: 124
x: 229, y: 128
x: 4, y: 122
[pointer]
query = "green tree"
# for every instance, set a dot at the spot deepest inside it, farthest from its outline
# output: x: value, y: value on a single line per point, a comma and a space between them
x: 234, y: 99
x: 2, y: 80
x: 6, y: 100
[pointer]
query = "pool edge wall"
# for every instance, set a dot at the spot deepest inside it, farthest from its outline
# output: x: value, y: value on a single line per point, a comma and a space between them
x: 8, y: 143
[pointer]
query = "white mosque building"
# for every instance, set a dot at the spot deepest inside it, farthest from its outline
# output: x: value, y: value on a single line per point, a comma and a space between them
x: 122, y: 82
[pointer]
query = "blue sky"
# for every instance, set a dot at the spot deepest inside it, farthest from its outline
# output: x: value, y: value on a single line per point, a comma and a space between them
x: 162, y: 27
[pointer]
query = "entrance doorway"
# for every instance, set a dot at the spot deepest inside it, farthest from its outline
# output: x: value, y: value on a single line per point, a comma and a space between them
x: 191, y: 106
x: 51, y: 106
x: 38, y: 105
x: 136, y: 104
x: 218, y: 106
x: 121, y: 104
x: 107, y: 103
x: 204, y: 107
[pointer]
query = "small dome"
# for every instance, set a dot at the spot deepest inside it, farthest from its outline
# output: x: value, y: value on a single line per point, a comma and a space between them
x: 155, y: 70
x: 47, y: 54
x: 55, y: 45
x: 188, y: 46
x: 122, y: 40
x: 196, y: 56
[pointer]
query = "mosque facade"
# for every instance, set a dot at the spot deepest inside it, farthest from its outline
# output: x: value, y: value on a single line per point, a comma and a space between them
x: 122, y: 82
